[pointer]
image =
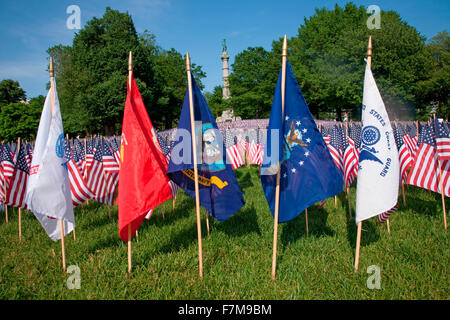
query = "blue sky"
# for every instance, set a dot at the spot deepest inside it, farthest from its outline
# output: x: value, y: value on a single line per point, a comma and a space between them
x: 28, y: 28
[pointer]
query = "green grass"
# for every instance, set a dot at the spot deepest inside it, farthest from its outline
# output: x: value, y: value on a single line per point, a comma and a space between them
x: 237, y: 256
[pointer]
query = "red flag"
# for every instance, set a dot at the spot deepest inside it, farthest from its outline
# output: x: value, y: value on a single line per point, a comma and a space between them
x: 143, y: 183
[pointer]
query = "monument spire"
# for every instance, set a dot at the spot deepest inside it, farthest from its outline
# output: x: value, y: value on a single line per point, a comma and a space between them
x: 225, y: 71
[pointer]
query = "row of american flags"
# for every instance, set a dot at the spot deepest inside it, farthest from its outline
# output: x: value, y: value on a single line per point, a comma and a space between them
x: 93, y: 163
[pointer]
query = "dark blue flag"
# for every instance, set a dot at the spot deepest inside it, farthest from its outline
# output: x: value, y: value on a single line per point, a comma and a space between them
x: 308, y: 173
x: 219, y: 191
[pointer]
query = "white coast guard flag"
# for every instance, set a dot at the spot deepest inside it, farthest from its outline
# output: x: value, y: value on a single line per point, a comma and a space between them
x: 378, y: 171
x: 48, y: 188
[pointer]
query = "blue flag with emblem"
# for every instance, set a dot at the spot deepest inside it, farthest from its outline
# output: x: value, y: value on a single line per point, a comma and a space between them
x: 308, y: 173
x: 219, y: 191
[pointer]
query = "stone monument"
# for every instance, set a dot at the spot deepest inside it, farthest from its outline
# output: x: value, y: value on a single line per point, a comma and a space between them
x: 227, y: 115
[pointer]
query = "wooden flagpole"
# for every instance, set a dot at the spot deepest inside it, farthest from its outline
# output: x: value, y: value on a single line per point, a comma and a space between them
x: 277, y: 187
x: 348, y: 188
x: 130, y: 72
x: 68, y: 145
x: 442, y: 187
x: 306, y: 217
x: 61, y: 223
x: 129, y: 248
x: 207, y: 222
x: 20, y: 209
x: 358, y: 236
x: 6, y: 206
x: 194, y: 152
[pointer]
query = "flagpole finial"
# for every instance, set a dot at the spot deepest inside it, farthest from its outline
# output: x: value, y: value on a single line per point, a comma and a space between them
x: 130, y: 61
x: 50, y: 69
x: 284, y: 51
x: 369, y: 51
x: 188, y: 62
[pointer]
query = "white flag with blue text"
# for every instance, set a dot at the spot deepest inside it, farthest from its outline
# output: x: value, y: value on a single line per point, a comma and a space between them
x: 48, y: 188
x: 378, y: 170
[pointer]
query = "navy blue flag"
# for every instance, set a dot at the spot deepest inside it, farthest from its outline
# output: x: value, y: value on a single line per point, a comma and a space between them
x: 308, y: 173
x: 219, y: 191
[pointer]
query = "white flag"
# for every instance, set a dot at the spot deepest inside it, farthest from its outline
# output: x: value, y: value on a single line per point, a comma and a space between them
x: 378, y: 171
x: 48, y: 188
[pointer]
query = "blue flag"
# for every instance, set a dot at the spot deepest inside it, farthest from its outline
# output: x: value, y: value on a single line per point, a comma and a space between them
x: 219, y: 191
x: 308, y: 173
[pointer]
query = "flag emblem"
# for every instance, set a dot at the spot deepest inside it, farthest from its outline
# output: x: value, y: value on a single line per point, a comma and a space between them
x: 59, y: 149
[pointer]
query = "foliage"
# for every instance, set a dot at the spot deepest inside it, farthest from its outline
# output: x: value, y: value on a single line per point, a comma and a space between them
x: 435, y: 89
x: 10, y: 92
x: 252, y: 82
x: 21, y: 120
x: 91, y: 75
x: 413, y: 258
x: 170, y: 86
x: 327, y: 57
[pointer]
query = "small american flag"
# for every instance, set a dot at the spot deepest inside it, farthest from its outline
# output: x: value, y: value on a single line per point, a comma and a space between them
x: 78, y: 188
x: 442, y: 141
x: 404, y: 154
x: 424, y: 171
x: 17, y: 189
x: 335, y: 147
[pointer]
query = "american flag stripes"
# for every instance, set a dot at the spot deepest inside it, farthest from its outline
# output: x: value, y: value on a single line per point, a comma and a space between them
x: 382, y: 217
x: 235, y: 155
x: 78, y: 188
x: 350, y: 162
x: 424, y: 172
x: 335, y: 148
x: 17, y: 189
x: 442, y: 141
x: 404, y: 154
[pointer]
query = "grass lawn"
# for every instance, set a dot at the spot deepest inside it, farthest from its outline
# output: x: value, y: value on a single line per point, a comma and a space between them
x: 237, y: 256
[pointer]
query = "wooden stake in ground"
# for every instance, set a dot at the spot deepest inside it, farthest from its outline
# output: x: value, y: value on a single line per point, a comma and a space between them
x: 306, y: 217
x: 194, y: 152
x: 207, y: 222
x: 61, y: 222
x: 388, y: 226
x: 129, y: 248
x: 20, y: 209
x: 6, y: 207
x: 358, y: 236
x: 130, y: 70
x: 277, y: 187
x: 442, y: 188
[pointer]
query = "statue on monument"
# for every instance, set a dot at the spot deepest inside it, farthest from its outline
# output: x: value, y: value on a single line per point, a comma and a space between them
x: 224, y: 45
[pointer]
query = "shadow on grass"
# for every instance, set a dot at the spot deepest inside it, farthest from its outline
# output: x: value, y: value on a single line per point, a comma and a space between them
x: 296, y: 228
x: 243, y: 222
x: 417, y: 200
x: 110, y: 241
x: 183, y: 208
x: 369, y: 231
x: 244, y: 179
x: 181, y: 240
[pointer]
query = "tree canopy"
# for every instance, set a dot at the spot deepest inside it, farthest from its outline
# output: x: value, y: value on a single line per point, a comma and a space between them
x: 11, y: 92
x: 91, y: 76
x: 21, y: 119
x: 327, y: 57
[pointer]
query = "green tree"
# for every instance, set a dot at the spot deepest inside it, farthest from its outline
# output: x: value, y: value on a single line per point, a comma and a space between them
x: 327, y: 57
x: 11, y: 92
x: 434, y: 91
x: 252, y: 82
x: 21, y: 119
x: 91, y: 75
x: 170, y: 86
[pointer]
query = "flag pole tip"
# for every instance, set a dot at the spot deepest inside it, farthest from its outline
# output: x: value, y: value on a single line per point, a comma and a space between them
x: 50, y: 69
x: 130, y: 61
x: 284, y: 53
x: 188, y: 62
